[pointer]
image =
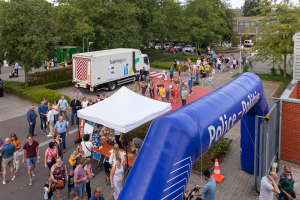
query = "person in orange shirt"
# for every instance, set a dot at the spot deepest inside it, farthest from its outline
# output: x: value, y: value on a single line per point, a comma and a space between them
x: 14, y: 140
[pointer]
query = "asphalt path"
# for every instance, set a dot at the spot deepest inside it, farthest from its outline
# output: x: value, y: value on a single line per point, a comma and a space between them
x: 19, y: 188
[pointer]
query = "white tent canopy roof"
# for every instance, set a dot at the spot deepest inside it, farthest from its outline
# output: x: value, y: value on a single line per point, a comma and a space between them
x: 124, y: 110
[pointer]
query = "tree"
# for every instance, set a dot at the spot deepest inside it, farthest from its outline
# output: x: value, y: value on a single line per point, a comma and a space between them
x: 254, y: 7
x: 276, y: 30
x: 26, y: 32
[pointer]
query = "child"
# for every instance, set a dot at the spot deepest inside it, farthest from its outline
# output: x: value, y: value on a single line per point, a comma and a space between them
x: 71, y: 184
x: 209, y: 79
x: 163, y: 75
x: 179, y: 71
x: 107, y: 168
x: 48, y: 193
x: 88, y: 172
x: 166, y: 77
x: 168, y: 95
x: 213, y: 72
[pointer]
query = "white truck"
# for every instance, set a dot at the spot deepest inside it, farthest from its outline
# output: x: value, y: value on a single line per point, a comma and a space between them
x: 108, y: 68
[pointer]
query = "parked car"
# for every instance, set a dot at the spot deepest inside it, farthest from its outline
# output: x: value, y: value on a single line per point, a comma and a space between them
x: 190, y: 47
x: 178, y: 45
x: 248, y: 43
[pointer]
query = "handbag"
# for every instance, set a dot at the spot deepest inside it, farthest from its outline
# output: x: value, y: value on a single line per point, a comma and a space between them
x: 72, y: 163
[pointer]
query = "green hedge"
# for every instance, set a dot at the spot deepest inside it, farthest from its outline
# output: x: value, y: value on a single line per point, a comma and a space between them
x: 172, y: 56
x: 50, y: 76
x: 34, y: 94
x: 60, y: 84
x: 163, y: 65
x: 208, y: 158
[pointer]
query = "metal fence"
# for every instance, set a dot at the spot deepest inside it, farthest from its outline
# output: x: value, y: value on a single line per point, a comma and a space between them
x: 268, y: 146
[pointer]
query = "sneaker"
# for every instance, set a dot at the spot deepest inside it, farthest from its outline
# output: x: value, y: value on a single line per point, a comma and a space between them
x: 49, y: 135
x: 4, y: 182
x: 42, y: 131
x: 13, y: 178
x: 33, y: 174
x: 30, y: 182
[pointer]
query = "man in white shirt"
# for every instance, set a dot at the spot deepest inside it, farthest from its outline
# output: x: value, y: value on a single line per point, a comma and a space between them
x: 198, y: 62
x: 268, y: 186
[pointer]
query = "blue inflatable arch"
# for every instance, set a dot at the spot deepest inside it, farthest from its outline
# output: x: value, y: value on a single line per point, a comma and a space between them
x: 177, y: 139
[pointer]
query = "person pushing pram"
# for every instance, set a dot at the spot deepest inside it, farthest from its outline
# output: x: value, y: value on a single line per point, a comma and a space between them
x: 13, y: 74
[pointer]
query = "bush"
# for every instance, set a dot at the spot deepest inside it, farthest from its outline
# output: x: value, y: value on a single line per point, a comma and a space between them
x: 172, y: 56
x: 50, y: 76
x: 34, y: 94
x: 273, y: 71
x: 60, y: 84
x: 208, y: 158
x: 163, y: 65
x: 245, y: 68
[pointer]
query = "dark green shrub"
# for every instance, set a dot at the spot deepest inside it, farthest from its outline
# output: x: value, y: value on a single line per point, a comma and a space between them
x: 281, y: 72
x: 34, y: 94
x: 245, y: 68
x: 163, y: 65
x: 273, y: 71
x: 60, y: 84
x: 50, y: 76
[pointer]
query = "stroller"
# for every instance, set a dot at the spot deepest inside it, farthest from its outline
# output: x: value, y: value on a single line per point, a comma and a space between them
x: 188, y: 195
x: 13, y: 74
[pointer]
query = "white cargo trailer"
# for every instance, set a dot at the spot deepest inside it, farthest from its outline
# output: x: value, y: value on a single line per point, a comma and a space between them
x: 108, y: 68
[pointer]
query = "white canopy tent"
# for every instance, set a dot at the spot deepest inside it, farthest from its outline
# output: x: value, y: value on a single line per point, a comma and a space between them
x: 124, y: 110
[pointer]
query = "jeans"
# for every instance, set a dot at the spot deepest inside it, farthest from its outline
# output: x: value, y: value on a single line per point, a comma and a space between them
x: 171, y: 77
x: 207, y: 73
x: 152, y: 93
x: 32, y: 127
x: 43, y: 122
x: 55, y: 119
x: 183, y: 102
x: 190, y: 86
x: 251, y: 64
x: 63, y: 137
x: 49, y: 166
x: 72, y: 117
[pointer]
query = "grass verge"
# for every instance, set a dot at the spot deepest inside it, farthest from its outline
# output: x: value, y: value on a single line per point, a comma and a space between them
x: 36, y: 93
x: 277, y: 78
x: 208, y: 158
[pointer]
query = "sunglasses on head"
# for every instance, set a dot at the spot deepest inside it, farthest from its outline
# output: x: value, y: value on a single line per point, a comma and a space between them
x: 288, y: 172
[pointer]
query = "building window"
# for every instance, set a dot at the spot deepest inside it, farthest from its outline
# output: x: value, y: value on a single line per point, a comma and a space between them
x: 241, y: 24
x: 234, y: 24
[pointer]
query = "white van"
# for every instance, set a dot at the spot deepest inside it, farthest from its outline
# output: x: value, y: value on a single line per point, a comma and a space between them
x: 248, y: 43
x: 108, y: 68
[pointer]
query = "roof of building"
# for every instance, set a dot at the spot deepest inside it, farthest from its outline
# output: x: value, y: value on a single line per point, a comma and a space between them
x: 238, y: 12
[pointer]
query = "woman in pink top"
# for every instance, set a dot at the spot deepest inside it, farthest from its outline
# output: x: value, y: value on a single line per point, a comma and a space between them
x: 51, y: 155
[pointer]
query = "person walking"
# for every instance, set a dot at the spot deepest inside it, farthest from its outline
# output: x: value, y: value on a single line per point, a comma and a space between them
x: 268, y: 186
x: 250, y: 60
x: 176, y: 92
x: 59, y: 145
x: 1, y: 144
x: 50, y: 155
x: 175, y: 64
x: 171, y: 73
x: 31, y: 152
x: 190, y: 77
x: 61, y: 127
x: 136, y: 81
x: 144, y: 89
x: 88, y: 172
x: 1, y: 88
x: 31, y: 118
x: 77, y: 155
x: 63, y: 105
x: 209, y: 189
x: 151, y: 88
x: 118, y: 137
x: 184, y: 96
x: 7, y: 152
x: 79, y: 95
x: 75, y: 106
x: 59, y: 175
x: 50, y: 122
x: 84, y: 103
x: 286, y: 185
x: 116, y: 177
x: 97, y: 194
x: 17, y: 68
x: 42, y: 109
x: 79, y: 180
x: 116, y: 154
x: 14, y: 140
x: 55, y: 109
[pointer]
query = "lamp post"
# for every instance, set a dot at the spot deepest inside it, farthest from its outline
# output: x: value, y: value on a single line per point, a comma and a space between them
x: 238, y: 35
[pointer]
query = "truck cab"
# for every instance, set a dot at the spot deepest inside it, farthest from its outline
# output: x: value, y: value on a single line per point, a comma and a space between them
x: 145, y: 66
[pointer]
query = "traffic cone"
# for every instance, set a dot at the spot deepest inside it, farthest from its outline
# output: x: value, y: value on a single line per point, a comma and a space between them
x: 217, y: 174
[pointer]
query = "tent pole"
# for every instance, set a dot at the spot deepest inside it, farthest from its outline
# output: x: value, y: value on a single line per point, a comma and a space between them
x: 126, y: 149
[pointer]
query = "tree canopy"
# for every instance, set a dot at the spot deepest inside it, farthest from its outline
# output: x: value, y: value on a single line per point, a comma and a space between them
x: 255, y: 7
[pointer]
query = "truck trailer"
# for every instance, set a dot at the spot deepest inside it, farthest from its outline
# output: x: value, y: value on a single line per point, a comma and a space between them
x: 108, y: 68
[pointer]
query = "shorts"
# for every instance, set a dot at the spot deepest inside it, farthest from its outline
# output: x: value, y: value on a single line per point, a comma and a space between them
x: 80, y: 190
x: 30, y: 161
x: 8, y: 161
x: 209, y: 81
x: 231, y: 66
x: 70, y: 187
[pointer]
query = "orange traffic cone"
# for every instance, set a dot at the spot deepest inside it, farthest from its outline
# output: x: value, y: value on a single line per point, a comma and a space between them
x: 217, y: 174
